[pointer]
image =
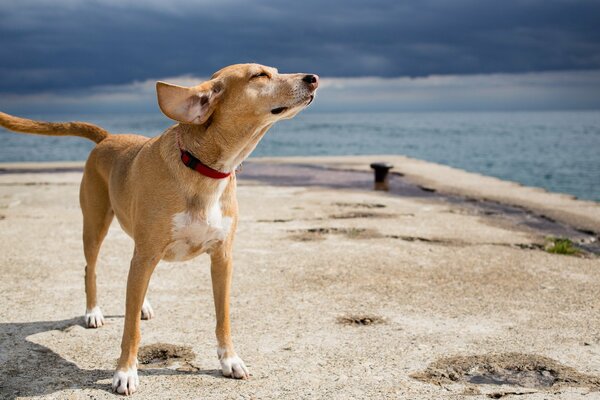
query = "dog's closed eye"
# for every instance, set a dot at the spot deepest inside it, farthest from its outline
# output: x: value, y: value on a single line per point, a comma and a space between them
x: 260, y: 75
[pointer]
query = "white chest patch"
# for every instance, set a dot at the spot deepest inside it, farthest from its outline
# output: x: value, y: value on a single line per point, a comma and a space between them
x: 192, y: 235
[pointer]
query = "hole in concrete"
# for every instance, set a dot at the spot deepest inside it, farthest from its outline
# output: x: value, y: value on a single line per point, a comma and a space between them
x: 164, y: 355
x: 360, y: 320
x: 514, y: 369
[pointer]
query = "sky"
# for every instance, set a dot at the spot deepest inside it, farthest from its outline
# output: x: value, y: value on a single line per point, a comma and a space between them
x: 377, y: 55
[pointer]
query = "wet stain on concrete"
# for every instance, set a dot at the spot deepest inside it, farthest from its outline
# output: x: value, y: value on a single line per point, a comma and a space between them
x: 517, y: 217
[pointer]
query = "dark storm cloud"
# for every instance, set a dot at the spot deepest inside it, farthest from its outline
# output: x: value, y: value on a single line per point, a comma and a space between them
x: 488, y: 92
x: 49, y: 45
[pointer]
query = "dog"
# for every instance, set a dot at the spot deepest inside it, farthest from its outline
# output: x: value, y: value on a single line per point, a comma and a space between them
x: 175, y: 194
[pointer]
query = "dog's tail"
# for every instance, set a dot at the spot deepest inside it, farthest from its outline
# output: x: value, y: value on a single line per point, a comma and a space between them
x: 81, y: 129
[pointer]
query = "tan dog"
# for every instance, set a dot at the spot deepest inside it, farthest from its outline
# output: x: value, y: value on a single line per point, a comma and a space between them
x: 173, y: 205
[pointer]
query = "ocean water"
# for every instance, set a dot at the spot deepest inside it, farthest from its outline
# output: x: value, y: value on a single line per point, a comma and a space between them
x: 559, y: 151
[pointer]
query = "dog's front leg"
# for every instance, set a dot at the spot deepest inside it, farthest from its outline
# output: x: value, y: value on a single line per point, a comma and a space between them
x: 125, y: 380
x: 221, y: 271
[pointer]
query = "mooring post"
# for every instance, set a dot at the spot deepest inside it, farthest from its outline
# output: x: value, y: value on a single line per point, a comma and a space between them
x: 381, y: 175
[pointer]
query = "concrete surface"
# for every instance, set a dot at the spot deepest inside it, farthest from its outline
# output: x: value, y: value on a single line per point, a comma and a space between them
x: 309, y: 263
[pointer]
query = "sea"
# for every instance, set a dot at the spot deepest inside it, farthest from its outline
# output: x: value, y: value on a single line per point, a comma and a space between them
x: 556, y: 150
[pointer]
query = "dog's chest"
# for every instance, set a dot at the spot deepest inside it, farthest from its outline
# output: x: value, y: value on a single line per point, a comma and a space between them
x: 193, y: 234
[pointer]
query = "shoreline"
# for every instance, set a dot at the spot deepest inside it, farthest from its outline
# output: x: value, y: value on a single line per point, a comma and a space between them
x: 583, y: 215
x: 566, y: 208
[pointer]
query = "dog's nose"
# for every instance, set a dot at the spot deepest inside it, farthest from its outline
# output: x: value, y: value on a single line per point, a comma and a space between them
x: 312, y: 80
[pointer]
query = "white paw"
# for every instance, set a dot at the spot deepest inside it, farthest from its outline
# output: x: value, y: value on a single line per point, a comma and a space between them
x: 147, y: 311
x: 125, y: 382
x: 94, y: 318
x: 232, y: 366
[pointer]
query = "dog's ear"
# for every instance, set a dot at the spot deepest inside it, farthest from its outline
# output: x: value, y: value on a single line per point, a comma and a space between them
x: 190, y: 105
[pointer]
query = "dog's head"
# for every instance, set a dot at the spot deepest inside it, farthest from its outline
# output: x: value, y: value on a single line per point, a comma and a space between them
x: 242, y: 93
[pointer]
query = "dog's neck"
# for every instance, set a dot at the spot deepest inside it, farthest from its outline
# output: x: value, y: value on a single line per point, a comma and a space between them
x: 220, y: 147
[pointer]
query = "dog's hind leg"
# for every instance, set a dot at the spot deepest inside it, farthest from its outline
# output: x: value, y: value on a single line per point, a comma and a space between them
x: 97, y: 216
x: 147, y: 311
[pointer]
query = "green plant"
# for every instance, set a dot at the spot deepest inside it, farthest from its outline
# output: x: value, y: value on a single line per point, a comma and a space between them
x: 561, y: 246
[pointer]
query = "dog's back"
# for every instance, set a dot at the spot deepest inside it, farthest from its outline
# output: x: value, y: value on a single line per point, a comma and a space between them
x: 115, y: 152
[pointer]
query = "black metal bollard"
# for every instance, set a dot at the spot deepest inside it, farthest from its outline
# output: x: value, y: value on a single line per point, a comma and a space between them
x: 381, y: 175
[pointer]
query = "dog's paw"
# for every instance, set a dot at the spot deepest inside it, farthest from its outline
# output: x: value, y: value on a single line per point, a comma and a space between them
x: 94, y: 318
x: 232, y: 366
x: 125, y: 382
x: 147, y: 311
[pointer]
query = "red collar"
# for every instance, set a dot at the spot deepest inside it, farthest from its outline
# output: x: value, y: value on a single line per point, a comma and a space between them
x: 192, y: 162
